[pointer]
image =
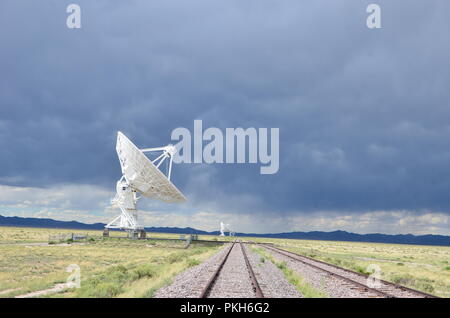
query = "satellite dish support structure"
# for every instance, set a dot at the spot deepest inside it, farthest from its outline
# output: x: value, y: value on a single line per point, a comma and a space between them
x: 140, y: 175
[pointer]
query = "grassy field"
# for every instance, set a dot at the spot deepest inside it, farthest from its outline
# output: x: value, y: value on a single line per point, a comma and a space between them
x: 108, y: 267
x: 116, y: 267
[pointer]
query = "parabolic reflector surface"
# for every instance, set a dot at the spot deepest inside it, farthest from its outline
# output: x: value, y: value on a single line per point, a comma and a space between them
x: 143, y: 175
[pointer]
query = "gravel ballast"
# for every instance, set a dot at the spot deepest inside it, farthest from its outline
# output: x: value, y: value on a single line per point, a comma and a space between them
x: 392, y: 290
x: 322, y: 281
x: 190, y: 283
x: 233, y: 280
x: 272, y: 281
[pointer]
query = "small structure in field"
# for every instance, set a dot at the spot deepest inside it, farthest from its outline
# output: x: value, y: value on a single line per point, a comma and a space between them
x: 66, y: 238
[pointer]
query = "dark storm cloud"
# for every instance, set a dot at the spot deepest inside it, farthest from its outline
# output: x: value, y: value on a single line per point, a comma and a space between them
x: 363, y: 114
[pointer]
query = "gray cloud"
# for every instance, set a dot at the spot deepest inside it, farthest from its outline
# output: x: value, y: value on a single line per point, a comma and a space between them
x: 363, y: 114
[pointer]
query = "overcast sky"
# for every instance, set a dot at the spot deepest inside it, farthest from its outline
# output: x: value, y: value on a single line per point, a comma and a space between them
x: 364, y: 114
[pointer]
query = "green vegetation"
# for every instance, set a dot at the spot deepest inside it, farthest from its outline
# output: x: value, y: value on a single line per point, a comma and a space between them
x: 419, y: 267
x: 29, y: 263
x: 409, y: 280
x: 293, y: 278
x: 111, y: 282
x: 109, y: 267
x: 193, y: 262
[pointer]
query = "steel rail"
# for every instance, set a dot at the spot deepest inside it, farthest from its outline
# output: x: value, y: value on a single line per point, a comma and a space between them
x: 403, y: 288
x: 255, y: 284
x: 213, y: 278
x: 364, y: 287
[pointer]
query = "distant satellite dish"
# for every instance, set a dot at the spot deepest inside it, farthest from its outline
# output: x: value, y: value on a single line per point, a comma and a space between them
x: 141, y: 175
x: 225, y: 228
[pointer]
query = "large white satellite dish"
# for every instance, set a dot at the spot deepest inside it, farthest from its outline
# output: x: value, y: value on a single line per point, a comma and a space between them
x: 140, y: 175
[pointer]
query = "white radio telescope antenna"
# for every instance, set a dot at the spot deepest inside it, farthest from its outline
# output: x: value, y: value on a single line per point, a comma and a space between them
x: 224, y: 228
x: 140, y: 175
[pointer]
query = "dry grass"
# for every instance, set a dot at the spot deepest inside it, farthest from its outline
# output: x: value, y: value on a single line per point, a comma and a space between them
x: 26, y: 266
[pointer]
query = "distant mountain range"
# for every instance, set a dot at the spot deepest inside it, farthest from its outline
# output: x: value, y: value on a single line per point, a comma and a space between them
x: 440, y: 240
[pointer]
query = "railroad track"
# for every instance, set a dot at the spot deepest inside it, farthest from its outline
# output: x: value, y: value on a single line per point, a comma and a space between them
x: 233, y: 276
x: 350, y: 278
